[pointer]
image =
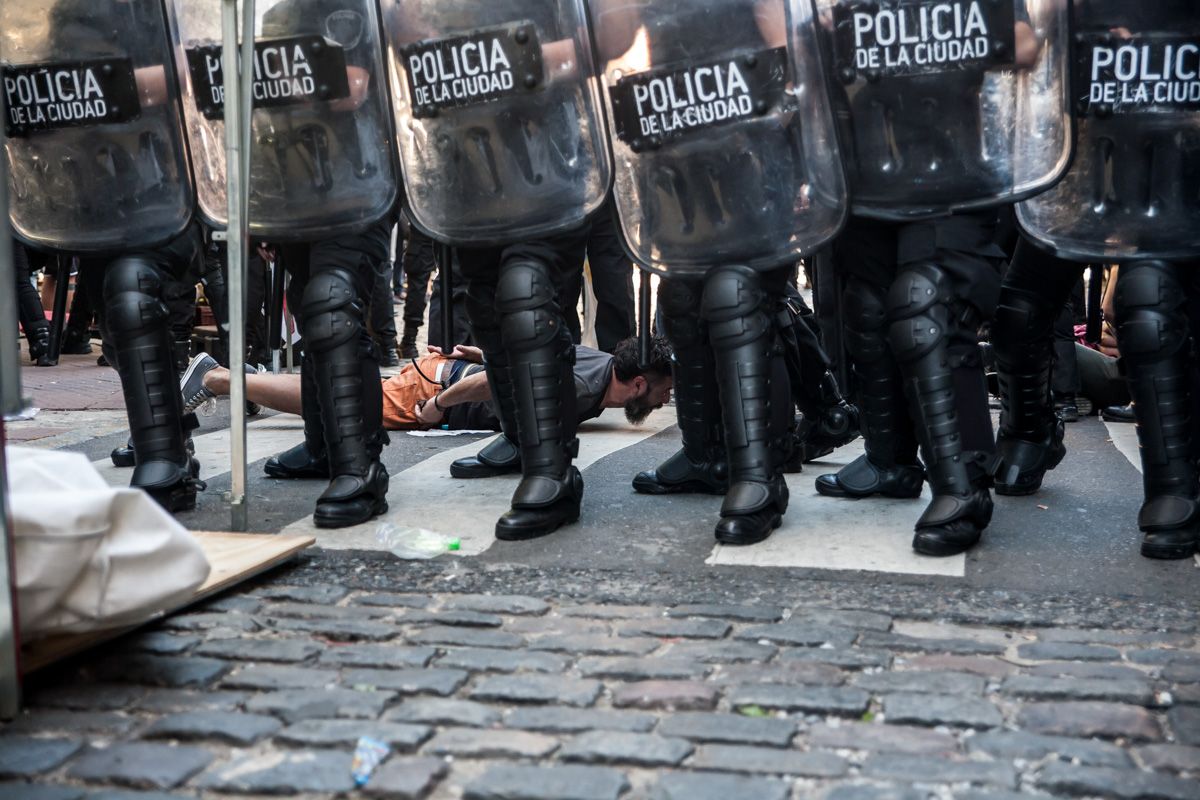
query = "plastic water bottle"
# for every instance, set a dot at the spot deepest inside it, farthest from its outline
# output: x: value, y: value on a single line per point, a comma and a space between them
x: 414, y: 543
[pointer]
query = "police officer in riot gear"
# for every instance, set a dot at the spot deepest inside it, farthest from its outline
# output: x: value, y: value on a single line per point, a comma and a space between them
x: 936, y: 142
x: 1129, y: 198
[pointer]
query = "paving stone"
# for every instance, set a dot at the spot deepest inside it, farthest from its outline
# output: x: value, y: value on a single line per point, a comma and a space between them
x: 140, y: 765
x: 809, y: 699
x: 463, y: 619
x: 1008, y: 745
x: 339, y: 630
x: 876, y: 737
x: 849, y: 657
x: 1089, y: 718
x: 29, y: 791
x: 927, y: 709
x: 639, y: 669
x: 172, y: 671
x: 674, y: 628
x: 915, y: 644
x: 729, y: 728
x: 270, y: 677
x: 730, y: 612
x: 875, y: 792
x: 537, y: 689
x: 281, y: 650
x: 1115, y: 637
x: 124, y: 794
x: 236, y: 729
x: 669, y: 695
x: 511, y: 604
x: 345, y: 733
x: 925, y: 682
x: 1182, y: 673
x: 618, y: 747
x: 88, y: 697
x: 71, y: 722
x: 984, y: 666
x: 1042, y: 688
x: 483, y: 659
x: 211, y: 621
x: 722, y: 652
x: 611, y: 611
x: 1084, y: 669
x: 162, y: 643
x: 513, y: 782
x: 394, y: 600
x: 790, y: 672
x: 767, y: 760
x: 1187, y: 694
x: 443, y: 711
x: 383, y: 656
x: 1066, y: 651
x: 1162, y: 656
x: 476, y: 743
x: 861, y: 620
x: 170, y: 701
x: 1169, y: 757
x: 465, y: 637
x: 558, y: 626
x: 923, y: 769
x: 281, y: 772
x: 234, y: 603
x: 576, y: 720
x: 25, y: 756
x: 406, y: 778
x: 296, y: 704
x: 313, y: 611
x: 437, y: 681
x: 1130, y: 784
x: 690, y: 786
x: 1185, y: 722
x: 321, y: 595
x: 594, y: 645
x: 805, y: 634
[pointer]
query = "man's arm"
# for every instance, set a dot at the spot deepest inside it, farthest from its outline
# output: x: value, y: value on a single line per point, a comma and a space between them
x: 470, y: 389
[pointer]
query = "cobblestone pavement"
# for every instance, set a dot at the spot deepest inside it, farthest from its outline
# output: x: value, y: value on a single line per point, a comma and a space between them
x: 572, y: 694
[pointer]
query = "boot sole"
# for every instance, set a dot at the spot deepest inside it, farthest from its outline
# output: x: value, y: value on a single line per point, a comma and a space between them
x: 1024, y: 490
x: 290, y: 475
x: 688, y: 487
x: 471, y: 473
x: 327, y: 521
x: 941, y: 550
x: 1171, y: 552
x: 775, y: 523
x: 843, y: 494
x: 524, y: 534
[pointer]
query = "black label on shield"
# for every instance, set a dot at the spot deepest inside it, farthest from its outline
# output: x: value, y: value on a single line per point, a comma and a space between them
x: 1147, y: 73
x: 649, y: 107
x: 889, y: 38
x: 476, y: 68
x: 44, y: 97
x: 290, y: 71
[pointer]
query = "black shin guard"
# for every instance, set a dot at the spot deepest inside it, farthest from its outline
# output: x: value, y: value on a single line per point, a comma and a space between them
x: 502, y: 455
x: 699, y: 466
x: 138, y: 321
x: 351, y: 401
x: 749, y: 370
x: 307, y: 459
x: 1152, y: 327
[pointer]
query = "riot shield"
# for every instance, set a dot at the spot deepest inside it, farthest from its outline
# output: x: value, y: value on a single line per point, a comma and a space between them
x: 498, y: 117
x: 95, y: 143
x: 1133, y: 190
x: 721, y: 122
x: 948, y: 106
x: 320, y: 143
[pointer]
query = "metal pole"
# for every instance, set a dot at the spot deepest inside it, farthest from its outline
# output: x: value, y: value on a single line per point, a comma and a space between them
x: 445, y: 259
x: 11, y: 402
x: 645, y: 316
x: 238, y: 87
x: 275, y: 324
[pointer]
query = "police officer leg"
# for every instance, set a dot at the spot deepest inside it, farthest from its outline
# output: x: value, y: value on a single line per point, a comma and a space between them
x: 699, y: 465
x: 139, y: 323
x: 741, y: 326
x: 933, y: 335
x: 1030, y: 439
x: 1152, y: 328
x: 541, y: 360
x: 889, y: 467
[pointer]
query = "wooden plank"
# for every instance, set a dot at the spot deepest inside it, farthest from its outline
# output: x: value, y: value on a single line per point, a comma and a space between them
x: 234, y: 558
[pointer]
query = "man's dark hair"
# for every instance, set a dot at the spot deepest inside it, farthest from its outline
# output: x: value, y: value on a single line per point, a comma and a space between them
x: 627, y: 364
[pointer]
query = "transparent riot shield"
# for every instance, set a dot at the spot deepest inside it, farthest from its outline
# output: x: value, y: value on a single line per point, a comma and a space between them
x: 1133, y: 190
x: 95, y: 141
x: 321, y: 153
x: 722, y: 130
x: 497, y: 115
x: 948, y: 106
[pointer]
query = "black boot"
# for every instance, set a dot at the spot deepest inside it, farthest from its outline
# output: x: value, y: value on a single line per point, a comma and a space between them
x: 1152, y: 327
x: 137, y: 318
x: 408, y: 342
x: 933, y: 336
x: 540, y: 359
x: 755, y: 402
x: 39, y: 345
x: 699, y: 466
x: 351, y: 401
x: 501, y: 456
x: 889, y: 467
x: 822, y: 429
x: 388, y: 356
x: 309, y: 458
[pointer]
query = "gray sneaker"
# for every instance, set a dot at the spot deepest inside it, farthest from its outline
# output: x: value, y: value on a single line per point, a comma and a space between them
x: 191, y: 385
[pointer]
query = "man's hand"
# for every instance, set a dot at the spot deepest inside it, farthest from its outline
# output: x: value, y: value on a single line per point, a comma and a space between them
x: 1108, y: 340
x: 428, y: 414
x: 463, y: 352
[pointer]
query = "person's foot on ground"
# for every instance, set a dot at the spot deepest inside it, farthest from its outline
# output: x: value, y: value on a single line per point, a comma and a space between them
x: 1066, y: 407
x: 76, y: 344
x: 388, y: 356
x: 864, y: 478
x: 1118, y: 413
x: 191, y: 385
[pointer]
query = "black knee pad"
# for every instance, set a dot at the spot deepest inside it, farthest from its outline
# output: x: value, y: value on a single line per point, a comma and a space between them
x: 679, y: 302
x: 1151, y: 319
x: 734, y: 306
x: 1022, y: 318
x: 133, y: 289
x: 921, y: 312
x: 865, y: 312
x: 331, y: 310
x: 526, y: 300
